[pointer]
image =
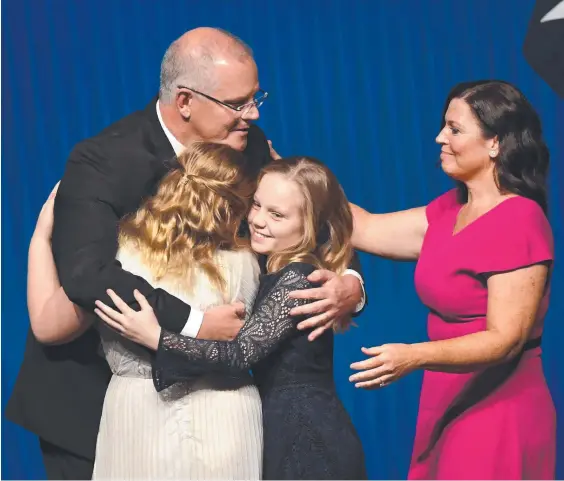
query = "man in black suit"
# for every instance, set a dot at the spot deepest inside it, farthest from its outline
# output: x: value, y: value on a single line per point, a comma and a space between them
x: 209, y: 91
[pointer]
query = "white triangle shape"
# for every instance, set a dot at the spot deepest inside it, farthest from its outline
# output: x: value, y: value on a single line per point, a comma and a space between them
x: 557, y: 13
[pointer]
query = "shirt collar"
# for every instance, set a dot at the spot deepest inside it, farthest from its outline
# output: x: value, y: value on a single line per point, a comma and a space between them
x: 176, y: 145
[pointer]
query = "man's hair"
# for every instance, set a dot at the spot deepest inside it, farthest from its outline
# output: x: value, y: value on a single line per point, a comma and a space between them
x: 194, y: 67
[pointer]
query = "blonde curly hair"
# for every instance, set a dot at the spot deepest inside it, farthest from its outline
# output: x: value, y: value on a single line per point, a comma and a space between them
x: 197, y: 210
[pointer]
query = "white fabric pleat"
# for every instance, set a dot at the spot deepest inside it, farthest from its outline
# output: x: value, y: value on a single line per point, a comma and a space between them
x: 208, y: 429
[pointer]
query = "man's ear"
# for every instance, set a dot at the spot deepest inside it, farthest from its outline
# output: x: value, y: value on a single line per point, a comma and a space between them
x: 184, y: 100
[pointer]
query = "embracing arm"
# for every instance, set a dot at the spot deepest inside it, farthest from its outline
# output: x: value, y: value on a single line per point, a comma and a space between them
x: 98, y: 188
x: 397, y: 235
x: 54, y: 319
x: 180, y: 358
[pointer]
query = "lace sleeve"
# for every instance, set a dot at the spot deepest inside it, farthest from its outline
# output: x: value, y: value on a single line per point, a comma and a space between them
x: 181, y: 358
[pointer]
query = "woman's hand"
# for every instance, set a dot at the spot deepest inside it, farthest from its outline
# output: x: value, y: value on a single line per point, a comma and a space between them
x: 141, y: 327
x: 387, y: 363
x: 44, y: 226
x: 273, y: 154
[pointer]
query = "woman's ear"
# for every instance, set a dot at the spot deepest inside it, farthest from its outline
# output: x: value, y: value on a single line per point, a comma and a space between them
x: 493, y: 146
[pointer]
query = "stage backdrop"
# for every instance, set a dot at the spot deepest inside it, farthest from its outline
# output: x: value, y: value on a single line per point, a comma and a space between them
x: 359, y: 84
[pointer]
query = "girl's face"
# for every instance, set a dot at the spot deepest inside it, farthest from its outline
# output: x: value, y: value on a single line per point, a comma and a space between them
x: 276, y: 219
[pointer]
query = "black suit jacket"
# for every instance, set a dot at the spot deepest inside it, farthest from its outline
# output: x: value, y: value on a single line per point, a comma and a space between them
x: 60, y: 390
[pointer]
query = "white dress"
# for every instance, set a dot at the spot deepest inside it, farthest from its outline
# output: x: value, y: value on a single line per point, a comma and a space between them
x: 208, y: 429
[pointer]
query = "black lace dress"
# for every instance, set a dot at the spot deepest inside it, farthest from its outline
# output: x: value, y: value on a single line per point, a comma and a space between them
x: 307, y: 432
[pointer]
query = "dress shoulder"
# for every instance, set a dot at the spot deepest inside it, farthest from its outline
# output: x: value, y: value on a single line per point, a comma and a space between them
x: 444, y: 203
x: 519, y: 236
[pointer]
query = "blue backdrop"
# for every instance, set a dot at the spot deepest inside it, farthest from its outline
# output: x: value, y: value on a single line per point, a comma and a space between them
x: 359, y: 84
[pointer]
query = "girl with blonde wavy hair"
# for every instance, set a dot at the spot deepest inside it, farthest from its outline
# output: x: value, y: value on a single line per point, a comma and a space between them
x: 300, y: 219
x: 184, y: 240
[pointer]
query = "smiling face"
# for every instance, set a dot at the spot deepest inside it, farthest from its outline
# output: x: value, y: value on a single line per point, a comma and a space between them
x: 236, y: 84
x: 276, y: 218
x: 465, y: 153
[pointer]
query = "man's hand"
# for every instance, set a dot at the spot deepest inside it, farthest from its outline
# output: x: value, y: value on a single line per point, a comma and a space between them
x: 222, y: 323
x: 334, y: 301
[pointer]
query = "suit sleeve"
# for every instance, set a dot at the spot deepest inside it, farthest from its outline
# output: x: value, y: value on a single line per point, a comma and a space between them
x: 96, y: 190
x: 257, y: 151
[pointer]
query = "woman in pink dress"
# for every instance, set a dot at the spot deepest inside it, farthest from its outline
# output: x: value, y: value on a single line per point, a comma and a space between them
x: 485, y: 253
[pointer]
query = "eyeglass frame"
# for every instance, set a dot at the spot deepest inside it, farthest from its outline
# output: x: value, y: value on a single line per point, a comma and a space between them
x: 241, y: 108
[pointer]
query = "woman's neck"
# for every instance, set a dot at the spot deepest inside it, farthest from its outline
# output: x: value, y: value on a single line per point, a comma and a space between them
x: 483, y: 193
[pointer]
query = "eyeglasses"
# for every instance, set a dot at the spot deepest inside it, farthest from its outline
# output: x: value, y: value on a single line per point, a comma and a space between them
x: 259, y: 99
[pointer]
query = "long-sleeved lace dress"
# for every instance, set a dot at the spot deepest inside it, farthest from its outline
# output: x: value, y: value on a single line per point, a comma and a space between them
x: 307, y: 432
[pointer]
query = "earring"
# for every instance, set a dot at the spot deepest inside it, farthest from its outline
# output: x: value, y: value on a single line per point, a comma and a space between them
x: 493, y: 153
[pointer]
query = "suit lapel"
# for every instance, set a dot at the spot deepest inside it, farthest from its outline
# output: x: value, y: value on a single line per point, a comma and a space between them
x: 157, y: 141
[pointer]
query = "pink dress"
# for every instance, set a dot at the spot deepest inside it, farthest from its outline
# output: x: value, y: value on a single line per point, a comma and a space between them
x: 511, y: 433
